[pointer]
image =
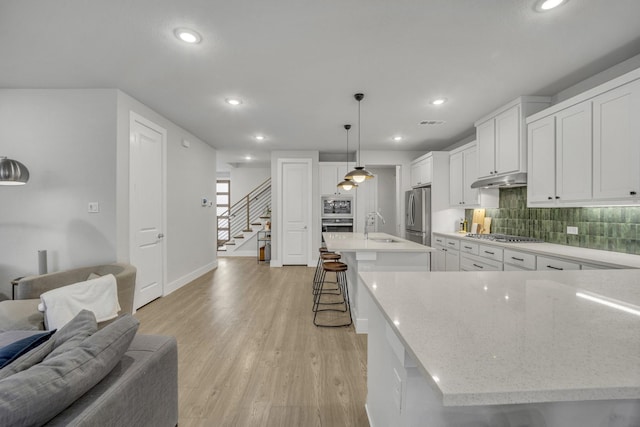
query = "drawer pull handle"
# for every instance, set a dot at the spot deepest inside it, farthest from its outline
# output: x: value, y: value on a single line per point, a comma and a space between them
x: 452, y: 244
x: 518, y: 259
x: 554, y: 268
x: 633, y: 193
x: 490, y: 253
x: 479, y: 266
x: 468, y: 247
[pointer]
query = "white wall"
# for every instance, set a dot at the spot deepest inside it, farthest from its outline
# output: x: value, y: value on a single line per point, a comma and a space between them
x: 66, y: 138
x: 191, y: 175
x: 244, y: 180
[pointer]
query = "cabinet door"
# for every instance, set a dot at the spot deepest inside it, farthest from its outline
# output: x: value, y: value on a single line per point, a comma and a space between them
x: 507, y: 150
x: 616, y: 143
x: 341, y: 171
x: 415, y: 177
x: 328, y: 177
x: 573, y: 153
x: 453, y: 260
x: 440, y: 261
x: 470, y: 196
x: 427, y: 171
x: 541, y: 174
x: 485, y: 135
x: 456, y: 179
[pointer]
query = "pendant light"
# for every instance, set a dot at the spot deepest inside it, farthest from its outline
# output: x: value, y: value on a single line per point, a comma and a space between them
x: 12, y: 172
x: 359, y: 174
x: 347, y: 184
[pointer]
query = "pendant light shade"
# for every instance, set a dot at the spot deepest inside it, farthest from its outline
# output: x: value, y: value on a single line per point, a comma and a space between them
x: 347, y: 184
x: 359, y: 174
x: 12, y: 172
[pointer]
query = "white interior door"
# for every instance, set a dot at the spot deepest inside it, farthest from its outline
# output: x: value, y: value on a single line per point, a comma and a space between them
x: 146, y: 157
x: 296, y: 212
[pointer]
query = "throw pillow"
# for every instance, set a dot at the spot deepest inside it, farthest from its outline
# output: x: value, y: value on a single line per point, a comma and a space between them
x: 11, y: 352
x: 72, y: 334
x: 34, y: 396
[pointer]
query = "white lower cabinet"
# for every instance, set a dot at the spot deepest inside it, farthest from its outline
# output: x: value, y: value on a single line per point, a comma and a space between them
x: 555, y: 264
x: 470, y: 262
x: 452, y: 260
x: 447, y: 254
x: 522, y: 260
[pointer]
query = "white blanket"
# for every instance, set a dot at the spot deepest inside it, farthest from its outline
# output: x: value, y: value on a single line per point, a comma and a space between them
x: 98, y: 295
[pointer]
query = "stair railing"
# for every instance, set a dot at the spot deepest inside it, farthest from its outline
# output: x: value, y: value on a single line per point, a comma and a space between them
x: 245, y: 211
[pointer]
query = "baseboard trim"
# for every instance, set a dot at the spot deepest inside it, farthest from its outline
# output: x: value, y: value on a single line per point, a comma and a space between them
x: 187, y: 278
x: 249, y: 253
x: 366, y: 409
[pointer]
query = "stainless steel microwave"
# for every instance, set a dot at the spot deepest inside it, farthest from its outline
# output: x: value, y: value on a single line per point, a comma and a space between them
x: 337, y: 207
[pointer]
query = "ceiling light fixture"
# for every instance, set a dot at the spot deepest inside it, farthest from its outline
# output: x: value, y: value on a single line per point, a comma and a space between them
x: 545, y: 5
x: 233, y: 101
x: 12, y: 172
x: 187, y: 35
x: 439, y: 101
x: 260, y: 137
x: 397, y: 138
x: 247, y: 157
x: 347, y: 184
x: 359, y: 174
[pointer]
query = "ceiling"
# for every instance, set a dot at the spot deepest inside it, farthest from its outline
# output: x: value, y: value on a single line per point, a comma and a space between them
x: 297, y: 63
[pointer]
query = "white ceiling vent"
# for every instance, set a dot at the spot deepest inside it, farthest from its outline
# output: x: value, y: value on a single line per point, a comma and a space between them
x: 432, y: 122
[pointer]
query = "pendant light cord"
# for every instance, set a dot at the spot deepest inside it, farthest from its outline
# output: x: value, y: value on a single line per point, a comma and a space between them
x: 358, y: 133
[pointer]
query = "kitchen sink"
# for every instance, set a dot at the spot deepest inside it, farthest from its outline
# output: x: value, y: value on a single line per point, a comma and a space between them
x: 379, y: 240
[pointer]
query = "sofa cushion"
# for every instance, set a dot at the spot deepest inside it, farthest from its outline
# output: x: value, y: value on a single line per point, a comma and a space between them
x: 21, y: 315
x: 72, y: 334
x: 12, y: 351
x: 34, y: 396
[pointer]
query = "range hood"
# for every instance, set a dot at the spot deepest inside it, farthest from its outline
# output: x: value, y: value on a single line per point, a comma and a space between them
x: 505, y: 181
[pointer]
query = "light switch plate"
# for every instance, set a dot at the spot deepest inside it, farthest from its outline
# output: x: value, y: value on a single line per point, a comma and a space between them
x: 94, y: 207
x: 572, y: 230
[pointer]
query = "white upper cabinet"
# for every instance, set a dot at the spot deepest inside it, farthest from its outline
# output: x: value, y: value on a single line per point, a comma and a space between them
x: 463, y: 171
x: 573, y: 153
x: 592, y: 142
x: 616, y: 143
x: 501, y: 137
x: 330, y: 175
x: 421, y: 171
x: 541, y: 175
x: 560, y: 157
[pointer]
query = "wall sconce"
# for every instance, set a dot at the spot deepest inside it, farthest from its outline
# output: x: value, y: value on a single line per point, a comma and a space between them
x: 12, y: 172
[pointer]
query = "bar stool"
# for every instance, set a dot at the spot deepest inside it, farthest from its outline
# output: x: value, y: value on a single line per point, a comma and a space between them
x: 340, y: 270
x: 324, y: 257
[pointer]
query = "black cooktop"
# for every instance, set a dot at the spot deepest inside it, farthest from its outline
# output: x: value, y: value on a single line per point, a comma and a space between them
x: 505, y: 238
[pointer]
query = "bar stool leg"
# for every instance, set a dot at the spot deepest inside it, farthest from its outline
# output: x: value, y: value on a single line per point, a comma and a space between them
x: 341, y: 279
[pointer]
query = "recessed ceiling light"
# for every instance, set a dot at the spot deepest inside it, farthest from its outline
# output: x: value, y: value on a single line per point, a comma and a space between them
x: 247, y: 157
x: 439, y: 101
x: 397, y: 138
x: 544, y: 5
x: 234, y: 101
x: 260, y: 137
x: 187, y: 35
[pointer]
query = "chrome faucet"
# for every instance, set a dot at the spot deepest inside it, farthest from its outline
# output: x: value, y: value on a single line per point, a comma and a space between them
x: 371, y: 219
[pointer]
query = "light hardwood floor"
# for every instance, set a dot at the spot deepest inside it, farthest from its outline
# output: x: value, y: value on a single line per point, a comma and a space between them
x: 249, y: 354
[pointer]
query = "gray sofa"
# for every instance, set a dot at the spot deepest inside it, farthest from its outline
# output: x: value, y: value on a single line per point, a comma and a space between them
x: 142, y: 388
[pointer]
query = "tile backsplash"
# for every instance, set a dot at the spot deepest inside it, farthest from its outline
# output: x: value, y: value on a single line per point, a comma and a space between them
x: 606, y: 228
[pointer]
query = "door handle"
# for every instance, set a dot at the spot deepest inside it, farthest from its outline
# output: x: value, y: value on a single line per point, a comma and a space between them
x: 160, y: 236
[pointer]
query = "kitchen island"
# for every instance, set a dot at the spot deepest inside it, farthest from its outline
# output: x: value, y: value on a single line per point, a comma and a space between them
x: 504, y: 348
x: 380, y: 252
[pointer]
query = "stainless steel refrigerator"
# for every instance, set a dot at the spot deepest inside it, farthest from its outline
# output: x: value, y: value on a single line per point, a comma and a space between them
x: 418, y: 215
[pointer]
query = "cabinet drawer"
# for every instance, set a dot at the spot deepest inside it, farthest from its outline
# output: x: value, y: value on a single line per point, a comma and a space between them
x: 521, y: 259
x: 470, y: 248
x: 473, y: 263
x: 491, y: 252
x: 545, y: 263
x: 509, y: 267
x: 439, y: 240
x: 453, y: 244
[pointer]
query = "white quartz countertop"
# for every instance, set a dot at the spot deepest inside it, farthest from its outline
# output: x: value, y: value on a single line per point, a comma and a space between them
x: 489, y: 338
x: 355, y: 242
x: 572, y: 253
